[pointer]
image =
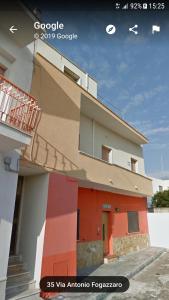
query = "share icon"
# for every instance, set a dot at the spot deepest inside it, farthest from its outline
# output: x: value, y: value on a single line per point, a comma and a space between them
x: 132, y: 29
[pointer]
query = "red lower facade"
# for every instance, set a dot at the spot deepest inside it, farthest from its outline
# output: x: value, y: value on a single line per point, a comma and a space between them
x: 59, y: 253
x: 102, y: 224
x: 92, y: 203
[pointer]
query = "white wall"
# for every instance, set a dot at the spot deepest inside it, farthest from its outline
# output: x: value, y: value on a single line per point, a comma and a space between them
x: 19, y: 66
x: 32, y: 223
x: 8, y: 184
x: 18, y: 62
x: 122, y: 149
x: 158, y: 229
x: 59, y: 60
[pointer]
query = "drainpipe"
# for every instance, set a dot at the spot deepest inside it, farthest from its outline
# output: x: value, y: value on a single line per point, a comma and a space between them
x: 87, y: 82
x: 93, y: 136
x: 62, y: 64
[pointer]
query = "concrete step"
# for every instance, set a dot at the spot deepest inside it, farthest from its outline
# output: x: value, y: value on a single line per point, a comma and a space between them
x: 20, y: 285
x: 14, y: 259
x: 13, y: 291
x: 110, y: 258
x: 15, y: 268
x: 18, y: 278
x: 32, y: 294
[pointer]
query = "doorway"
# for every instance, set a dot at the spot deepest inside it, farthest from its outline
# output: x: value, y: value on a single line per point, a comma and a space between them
x: 15, y: 226
x: 105, y: 232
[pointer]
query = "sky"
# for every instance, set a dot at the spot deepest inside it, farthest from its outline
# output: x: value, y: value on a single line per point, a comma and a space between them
x: 132, y: 72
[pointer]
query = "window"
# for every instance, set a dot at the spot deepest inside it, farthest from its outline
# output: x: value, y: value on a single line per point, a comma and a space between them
x: 74, y: 77
x: 107, y: 154
x: 133, y: 165
x: 133, y: 221
x: 2, y: 70
x: 160, y: 188
x: 78, y: 224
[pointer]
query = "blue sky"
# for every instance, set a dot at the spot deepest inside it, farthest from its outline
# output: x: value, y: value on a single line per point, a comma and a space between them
x: 132, y: 72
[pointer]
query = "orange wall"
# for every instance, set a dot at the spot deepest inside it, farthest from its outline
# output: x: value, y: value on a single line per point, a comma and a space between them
x: 59, y: 253
x: 90, y: 203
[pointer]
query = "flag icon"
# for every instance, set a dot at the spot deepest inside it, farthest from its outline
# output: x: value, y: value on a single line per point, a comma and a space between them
x: 155, y: 28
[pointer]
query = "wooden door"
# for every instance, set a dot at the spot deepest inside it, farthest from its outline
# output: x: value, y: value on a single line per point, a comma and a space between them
x: 105, y: 232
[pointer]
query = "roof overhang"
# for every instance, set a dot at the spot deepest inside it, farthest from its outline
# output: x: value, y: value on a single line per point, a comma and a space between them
x: 11, y: 138
x: 101, y: 187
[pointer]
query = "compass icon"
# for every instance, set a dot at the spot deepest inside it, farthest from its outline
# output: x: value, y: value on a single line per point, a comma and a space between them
x: 110, y: 29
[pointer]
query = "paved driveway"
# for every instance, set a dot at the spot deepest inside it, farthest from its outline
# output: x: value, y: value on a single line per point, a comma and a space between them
x: 144, y: 286
x: 151, y: 283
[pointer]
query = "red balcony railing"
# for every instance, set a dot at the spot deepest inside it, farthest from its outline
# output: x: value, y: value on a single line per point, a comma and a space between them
x: 17, y: 108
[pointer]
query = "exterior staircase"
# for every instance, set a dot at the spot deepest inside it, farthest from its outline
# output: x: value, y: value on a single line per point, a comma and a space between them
x: 19, y: 282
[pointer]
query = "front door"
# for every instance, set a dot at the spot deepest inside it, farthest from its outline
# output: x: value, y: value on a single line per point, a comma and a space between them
x: 16, y: 216
x: 105, y: 232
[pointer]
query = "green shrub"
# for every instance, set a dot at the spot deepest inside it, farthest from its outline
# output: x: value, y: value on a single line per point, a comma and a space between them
x: 161, y: 199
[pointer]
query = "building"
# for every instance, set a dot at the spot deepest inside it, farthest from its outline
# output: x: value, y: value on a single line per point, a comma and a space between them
x: 81, y: 189
x: 94, y: 180
x: 160, y: 185
x: 19, y: 113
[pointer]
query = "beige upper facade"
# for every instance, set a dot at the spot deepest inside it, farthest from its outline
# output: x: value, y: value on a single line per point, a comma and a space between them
x: 94, y: 136
x: 70, y: 69
x: 75, y: 128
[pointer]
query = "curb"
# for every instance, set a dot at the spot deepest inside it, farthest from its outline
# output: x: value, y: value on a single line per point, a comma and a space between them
x: 102, y: 296
x: 147, y: 263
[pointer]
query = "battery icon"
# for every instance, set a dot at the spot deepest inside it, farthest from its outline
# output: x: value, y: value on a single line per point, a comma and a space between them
x: 145, y: 5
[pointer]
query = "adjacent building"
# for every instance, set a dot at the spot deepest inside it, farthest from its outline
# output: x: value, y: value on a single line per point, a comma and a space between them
x: 78, y: 194
x: 159, y: 185
x: 19, y: 113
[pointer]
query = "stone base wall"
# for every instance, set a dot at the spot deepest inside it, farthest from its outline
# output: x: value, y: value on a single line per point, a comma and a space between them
x: 89, y: 254
x: 126, y: 244
x: 2, y: 289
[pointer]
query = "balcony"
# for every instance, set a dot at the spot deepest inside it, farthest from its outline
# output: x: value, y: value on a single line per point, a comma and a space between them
x: 102, y: 175
x: 19, y: 114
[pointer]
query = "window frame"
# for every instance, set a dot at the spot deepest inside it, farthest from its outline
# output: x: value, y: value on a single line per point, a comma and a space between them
x: 110, y: 160
x: 135, y: 161
x: 137, y: 229
x: 160, y: 188
x: 71, y: 75
x: 3, y: 69
x: 78, y: 225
